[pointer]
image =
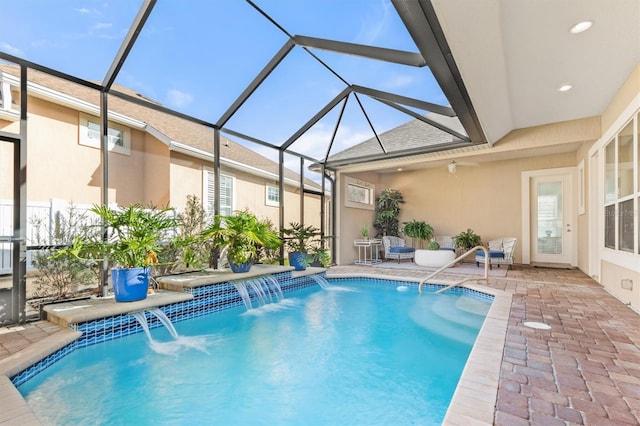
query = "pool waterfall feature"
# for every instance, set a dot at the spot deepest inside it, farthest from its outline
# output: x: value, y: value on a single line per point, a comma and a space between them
x: 264, y: 289
x: 141, y: 317
x: 180, y: 297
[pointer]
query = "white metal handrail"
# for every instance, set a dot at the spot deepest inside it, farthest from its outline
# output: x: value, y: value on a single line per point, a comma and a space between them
x: 457, y: 259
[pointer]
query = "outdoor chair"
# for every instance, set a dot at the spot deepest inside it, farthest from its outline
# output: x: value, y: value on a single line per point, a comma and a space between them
x: 446, y: 243
x: 395, y: 248
x: 500, y: 252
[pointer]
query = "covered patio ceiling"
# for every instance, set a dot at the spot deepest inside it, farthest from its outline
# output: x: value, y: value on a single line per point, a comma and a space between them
x: 280, y: 75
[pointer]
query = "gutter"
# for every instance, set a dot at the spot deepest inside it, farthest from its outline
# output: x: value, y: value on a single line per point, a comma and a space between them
x: 63, y: 99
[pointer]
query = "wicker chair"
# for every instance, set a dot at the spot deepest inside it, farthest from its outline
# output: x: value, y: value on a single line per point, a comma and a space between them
x: 395, y: 248
x: 500, y: 252
x: 446, y: 243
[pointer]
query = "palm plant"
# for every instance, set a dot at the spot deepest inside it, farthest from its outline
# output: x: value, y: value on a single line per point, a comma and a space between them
x: 241, y: 234
x: 133, y: 239
x: 301, y: 238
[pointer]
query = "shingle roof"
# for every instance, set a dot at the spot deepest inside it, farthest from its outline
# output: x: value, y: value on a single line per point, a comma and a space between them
x: 412, y: 135
x: 175, y: 128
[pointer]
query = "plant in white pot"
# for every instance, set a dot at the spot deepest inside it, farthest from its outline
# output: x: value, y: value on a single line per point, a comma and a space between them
x: 418, y: 230
x: 133, y: 240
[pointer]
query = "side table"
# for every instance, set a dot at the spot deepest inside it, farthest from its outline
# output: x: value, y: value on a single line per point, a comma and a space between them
x: 368, y: 251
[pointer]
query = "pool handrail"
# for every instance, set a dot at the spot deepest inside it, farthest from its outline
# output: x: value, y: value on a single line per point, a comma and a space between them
x: 454, y: 261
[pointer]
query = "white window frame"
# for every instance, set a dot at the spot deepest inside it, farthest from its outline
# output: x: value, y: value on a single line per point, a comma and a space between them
x: 367, y: 202
x: 621, y: 258
x: 208, y: 182
x: 267, y: 199
x: 86, y: 140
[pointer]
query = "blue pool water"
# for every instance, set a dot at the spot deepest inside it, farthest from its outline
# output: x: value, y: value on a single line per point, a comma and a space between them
x: 352, y: 354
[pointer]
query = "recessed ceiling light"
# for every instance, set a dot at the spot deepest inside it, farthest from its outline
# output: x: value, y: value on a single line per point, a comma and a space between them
x: 565, y: 87
x: 399, y: 169
x: 580, y: 27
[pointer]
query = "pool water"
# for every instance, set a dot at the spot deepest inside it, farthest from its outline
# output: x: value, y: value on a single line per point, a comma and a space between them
x: 355, y: 354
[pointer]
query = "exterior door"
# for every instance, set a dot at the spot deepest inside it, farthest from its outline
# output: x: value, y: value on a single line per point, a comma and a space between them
x: 552, y: 219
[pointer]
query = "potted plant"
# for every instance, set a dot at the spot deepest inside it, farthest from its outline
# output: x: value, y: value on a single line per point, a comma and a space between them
x: 365, y: 231
x: 467, y: 240
x: 387, y: 212
x: 300, y: 241
x: 322, y: 256
x: 131, y: 244
x: 418, y: 230
x: 241, y: 235
x: 433, y: 245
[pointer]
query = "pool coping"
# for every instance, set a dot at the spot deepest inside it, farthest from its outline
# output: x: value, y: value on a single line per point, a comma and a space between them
x: 473, y: 402
x: 15, y: 407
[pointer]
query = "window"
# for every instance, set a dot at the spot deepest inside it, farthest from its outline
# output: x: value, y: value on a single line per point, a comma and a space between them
x: 359, y: 194
x: 272, y: 196
x: 119, y: 137
x: 225, y: 195
x: 622, y: 190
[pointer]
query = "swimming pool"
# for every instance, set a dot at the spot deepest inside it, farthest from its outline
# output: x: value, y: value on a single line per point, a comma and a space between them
x: 357, y: 353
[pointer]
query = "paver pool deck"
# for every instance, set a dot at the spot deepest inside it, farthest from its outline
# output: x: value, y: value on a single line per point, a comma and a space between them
x: 585, y: 370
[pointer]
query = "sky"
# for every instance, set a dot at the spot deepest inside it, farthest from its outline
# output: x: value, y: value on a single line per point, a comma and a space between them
x: 197, y: 56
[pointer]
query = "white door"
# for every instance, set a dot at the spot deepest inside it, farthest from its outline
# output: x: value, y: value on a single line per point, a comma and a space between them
x: 552, y: 219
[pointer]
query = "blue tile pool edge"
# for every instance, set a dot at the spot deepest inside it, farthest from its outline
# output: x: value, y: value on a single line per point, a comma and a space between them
x: 207, y: 299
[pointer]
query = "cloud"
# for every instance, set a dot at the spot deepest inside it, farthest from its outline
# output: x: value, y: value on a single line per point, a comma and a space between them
x: 10, y: 49
x: 83, y: 11
x: 178, y: 99
x: 102, y: 26
x: 316, y: 141
x: 398, y: 81
x: 375, y: 22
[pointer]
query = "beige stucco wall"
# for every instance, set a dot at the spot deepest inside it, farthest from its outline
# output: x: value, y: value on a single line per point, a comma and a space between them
x: 59, y: 167
x: 350, y: 219
x: 629, y: 90
x: 612, y: 277
x: 157, y: 175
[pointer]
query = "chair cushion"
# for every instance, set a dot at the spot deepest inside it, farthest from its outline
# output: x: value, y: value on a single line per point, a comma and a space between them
x: 401, y: 250
x: 492, y: 253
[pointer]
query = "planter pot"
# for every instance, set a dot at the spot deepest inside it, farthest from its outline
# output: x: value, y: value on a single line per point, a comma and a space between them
x: 240, y: 267
x: 130, y: 284
x: 434, y: 258
x: 297, y: 259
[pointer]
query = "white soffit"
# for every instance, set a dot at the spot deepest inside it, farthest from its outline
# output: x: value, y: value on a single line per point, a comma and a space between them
x: 513, y: 56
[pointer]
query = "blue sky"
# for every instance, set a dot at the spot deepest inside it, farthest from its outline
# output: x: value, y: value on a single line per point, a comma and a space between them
x: 196, y: 56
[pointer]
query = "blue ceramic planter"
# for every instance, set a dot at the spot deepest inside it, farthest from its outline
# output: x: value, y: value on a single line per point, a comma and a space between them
x: 297, y: 259
x: 130, y: 284
x: 242, y: 267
